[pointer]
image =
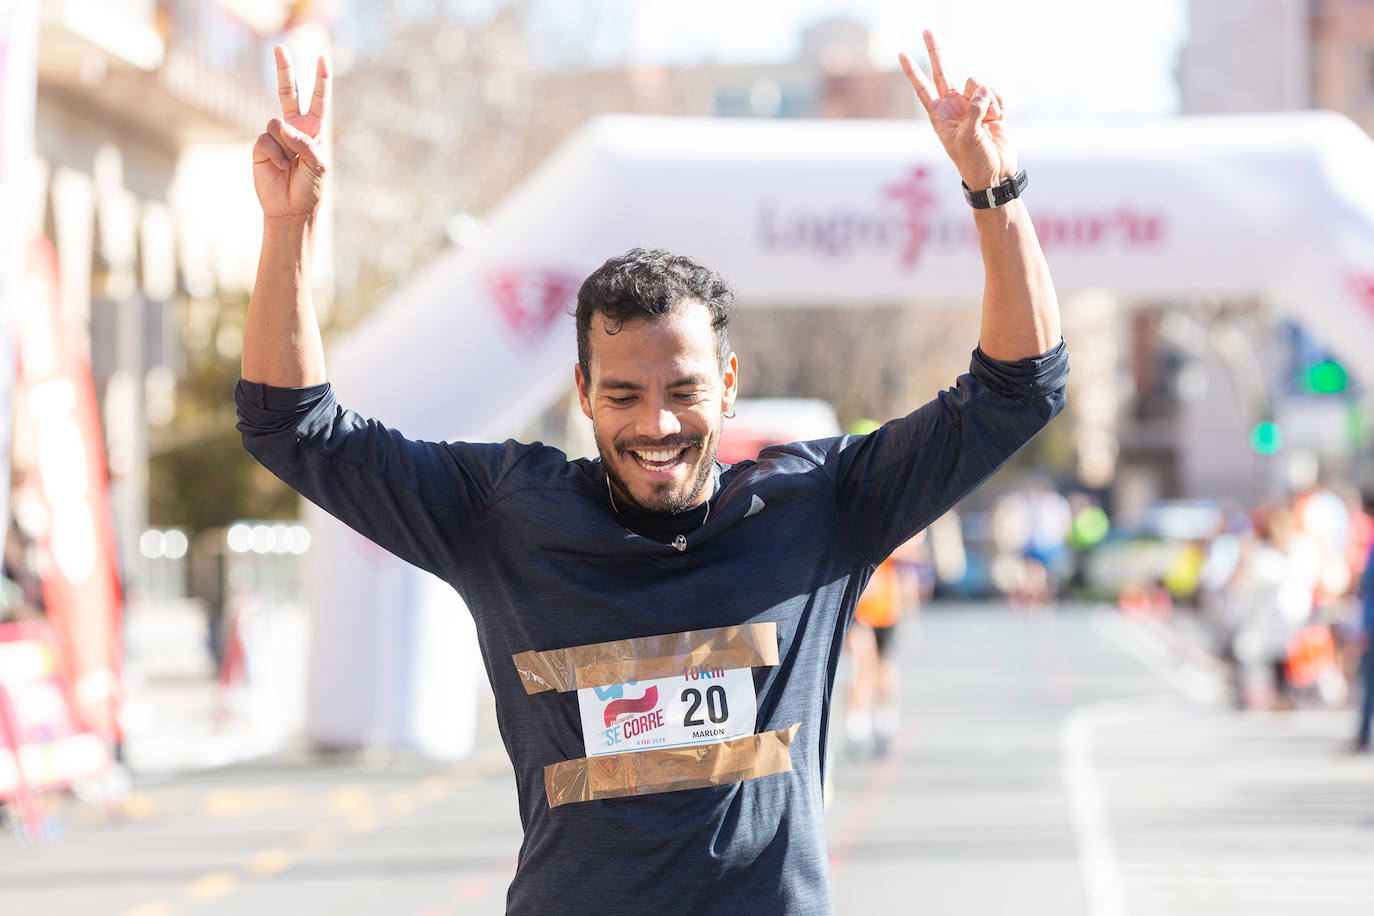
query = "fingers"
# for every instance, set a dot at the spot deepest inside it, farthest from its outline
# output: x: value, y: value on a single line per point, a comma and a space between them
x: 924, y: 91
x: 319, y: 102
x: 930, y: 94
x: 995, y: 104
x: 937, y: 65
x: 978, y: 106
x: 267, y: 149
x: 295, y: 144
x: 286, y: 83
x: 293, y: 141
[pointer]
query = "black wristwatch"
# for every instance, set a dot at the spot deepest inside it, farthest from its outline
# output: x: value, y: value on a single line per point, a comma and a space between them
x: 998, y: 194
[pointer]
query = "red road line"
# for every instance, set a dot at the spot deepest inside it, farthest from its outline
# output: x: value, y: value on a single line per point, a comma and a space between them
x: 861, y: 816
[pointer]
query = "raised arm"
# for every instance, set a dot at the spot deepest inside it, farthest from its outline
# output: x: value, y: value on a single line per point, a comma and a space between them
x: 281, y: 338
x: 1020, y: 309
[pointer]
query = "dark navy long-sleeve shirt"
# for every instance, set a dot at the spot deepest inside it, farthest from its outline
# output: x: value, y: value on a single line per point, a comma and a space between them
x: 532, y: 543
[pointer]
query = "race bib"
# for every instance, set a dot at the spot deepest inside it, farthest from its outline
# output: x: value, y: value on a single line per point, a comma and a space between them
x: 700, y: 707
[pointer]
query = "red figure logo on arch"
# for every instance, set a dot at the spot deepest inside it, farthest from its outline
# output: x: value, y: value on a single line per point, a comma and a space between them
x: 530, y: 300
x: 914, y: 195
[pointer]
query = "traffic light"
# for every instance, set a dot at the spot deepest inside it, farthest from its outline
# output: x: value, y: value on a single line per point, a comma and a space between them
x: 1314, y: 370
x: 1323, y: 377
x: 1266, y: 438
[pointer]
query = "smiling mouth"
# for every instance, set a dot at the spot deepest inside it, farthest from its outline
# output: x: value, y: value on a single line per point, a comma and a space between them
x: 658, y: 459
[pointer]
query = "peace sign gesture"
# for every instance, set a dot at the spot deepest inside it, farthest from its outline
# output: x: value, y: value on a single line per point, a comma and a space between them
x: 969, y: 124
x: 290, y: 159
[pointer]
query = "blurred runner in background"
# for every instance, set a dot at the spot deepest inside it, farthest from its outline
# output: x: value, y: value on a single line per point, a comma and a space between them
x: 872, y: 717
x: 872, y: 714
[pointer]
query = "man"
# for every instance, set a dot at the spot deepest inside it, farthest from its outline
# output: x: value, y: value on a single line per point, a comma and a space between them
x: 661, y: 632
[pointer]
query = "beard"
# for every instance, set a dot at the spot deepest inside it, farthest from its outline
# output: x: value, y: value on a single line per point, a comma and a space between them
x: 664, y: 500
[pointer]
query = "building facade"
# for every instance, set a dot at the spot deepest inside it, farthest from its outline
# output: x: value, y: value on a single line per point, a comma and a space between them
x: 1231, y: 400
x: 146, y: 112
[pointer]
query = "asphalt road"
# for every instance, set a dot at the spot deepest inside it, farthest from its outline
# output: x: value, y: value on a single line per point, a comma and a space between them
x: 1069, y: 763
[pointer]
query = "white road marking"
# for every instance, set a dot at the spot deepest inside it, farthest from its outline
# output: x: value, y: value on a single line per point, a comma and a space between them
x: 1097, y: 855
x: 1197, y: 679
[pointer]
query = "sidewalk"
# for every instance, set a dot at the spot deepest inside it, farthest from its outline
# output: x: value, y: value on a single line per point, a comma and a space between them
x: 178, y: 716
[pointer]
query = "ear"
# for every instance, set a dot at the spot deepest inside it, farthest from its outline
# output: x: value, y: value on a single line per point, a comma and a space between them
x: 583, y: 390
x: 731, y: 383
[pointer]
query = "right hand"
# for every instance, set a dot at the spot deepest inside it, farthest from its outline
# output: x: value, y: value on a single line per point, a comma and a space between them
x: 290, y: 159
x: 970, y: 124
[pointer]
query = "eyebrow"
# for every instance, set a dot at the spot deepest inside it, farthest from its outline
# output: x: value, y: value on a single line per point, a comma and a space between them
x: 687, y: 381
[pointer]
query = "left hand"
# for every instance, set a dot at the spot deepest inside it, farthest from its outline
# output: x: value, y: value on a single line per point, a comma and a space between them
x: 291, y: 157
x: 970, y: 124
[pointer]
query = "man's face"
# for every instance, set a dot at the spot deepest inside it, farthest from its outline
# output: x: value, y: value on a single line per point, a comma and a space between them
x: 655, y: 399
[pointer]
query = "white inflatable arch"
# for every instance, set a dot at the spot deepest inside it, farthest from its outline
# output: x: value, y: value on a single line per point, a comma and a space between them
x: 829, y: 213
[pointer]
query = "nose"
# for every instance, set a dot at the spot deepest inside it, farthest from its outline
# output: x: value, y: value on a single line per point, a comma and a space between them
x: 659, y: 421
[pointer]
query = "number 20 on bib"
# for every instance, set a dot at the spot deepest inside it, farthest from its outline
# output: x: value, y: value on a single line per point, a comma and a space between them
x: 701, y: 706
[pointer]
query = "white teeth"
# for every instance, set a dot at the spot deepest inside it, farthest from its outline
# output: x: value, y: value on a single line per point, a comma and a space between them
x: 659, y: 457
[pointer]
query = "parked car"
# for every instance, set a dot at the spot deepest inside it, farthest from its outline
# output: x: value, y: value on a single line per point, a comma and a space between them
x: 761, y: 422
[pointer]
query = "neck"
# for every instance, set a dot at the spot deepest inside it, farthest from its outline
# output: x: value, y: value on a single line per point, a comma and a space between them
x: 632, y: 514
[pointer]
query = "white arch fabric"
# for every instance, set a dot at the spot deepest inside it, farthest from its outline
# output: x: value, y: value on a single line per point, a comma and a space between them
x: 830, y: 213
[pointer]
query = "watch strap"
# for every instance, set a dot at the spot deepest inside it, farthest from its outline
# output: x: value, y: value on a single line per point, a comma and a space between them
x: 998, y: 194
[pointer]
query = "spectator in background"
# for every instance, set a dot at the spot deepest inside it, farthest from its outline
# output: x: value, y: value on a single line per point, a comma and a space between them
x: 1010, y: 523
x: 1348, y: 629
x: 1050, y: 521
x: 1367, y: 664
x: 1089, y: 526
x: 1030, y: 531
x: 1361, y: 539
x: 1272, y: 593
x: 948, y: 555
x: 1325, y: 518
x: 1216, y: 593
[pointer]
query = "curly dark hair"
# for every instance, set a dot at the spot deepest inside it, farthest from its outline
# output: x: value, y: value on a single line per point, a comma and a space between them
x: 650, y: 284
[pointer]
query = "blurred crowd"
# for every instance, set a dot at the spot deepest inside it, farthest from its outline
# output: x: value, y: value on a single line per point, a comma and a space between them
x: 1278, y: 587
x: 1281, y: 587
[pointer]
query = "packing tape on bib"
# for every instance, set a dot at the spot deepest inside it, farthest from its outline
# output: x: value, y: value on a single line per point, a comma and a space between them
x: 669, y: 769
x: 603, y: 664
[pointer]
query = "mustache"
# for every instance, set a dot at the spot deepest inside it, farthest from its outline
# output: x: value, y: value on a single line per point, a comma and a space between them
x: 626, y: 445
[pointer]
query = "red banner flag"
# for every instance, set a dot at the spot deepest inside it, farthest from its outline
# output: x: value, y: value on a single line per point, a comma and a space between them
x: 60, y: 465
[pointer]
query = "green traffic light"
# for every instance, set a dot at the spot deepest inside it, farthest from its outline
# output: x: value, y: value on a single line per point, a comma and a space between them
x: 1266, y: 438
x: 1325, y: 377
